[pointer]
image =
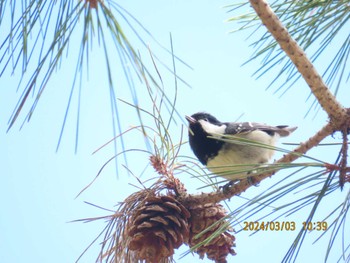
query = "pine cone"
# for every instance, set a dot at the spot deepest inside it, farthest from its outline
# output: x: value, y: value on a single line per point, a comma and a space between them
x: 158, y: 227
x: 202, y: 217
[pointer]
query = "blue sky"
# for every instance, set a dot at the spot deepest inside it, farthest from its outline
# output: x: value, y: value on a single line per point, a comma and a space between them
x: 39, y: 185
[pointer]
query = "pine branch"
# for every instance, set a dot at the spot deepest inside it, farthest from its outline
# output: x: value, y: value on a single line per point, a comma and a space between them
x: 327, y: 100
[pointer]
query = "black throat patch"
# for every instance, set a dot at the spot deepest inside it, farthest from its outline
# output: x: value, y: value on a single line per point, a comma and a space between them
x: 203, y: 147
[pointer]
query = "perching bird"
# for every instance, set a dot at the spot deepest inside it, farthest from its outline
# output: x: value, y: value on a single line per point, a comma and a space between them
x: 209, y: 141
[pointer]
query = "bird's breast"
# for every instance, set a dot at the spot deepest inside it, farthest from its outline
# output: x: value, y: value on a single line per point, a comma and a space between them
x: 234, y: 161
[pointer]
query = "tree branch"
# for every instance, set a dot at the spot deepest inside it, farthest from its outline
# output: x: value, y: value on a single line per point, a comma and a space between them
x: 327, y: 100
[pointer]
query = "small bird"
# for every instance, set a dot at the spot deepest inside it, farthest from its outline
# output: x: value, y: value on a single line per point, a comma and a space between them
x: 227, y: 157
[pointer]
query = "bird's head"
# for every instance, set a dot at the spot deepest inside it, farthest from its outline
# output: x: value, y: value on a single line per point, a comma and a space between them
x: 200, y: 117
x: 204, y: 124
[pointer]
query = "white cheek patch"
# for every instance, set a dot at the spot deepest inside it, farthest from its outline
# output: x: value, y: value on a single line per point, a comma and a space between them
x: 211, y: 128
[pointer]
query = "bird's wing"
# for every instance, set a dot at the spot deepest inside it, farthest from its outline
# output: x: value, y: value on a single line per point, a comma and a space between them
x: 245, y: 127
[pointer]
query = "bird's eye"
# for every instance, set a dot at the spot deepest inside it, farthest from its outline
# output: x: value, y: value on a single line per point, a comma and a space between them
x: 206, y: 119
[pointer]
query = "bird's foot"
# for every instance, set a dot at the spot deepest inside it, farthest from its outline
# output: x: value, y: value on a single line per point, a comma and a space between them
x: 251, y: 181
x: 226, y: 188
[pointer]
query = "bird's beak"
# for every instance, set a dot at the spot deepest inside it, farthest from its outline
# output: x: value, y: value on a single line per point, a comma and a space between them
x: 190, y: 119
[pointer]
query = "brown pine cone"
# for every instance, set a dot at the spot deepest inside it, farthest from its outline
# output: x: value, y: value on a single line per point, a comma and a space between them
x: 158, y: 227
x: 207, y: 217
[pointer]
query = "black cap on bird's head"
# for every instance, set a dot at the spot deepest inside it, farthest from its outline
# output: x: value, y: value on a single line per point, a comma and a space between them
x: 193, y: 119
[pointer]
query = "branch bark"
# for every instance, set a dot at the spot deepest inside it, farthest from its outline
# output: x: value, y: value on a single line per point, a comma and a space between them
x: 335, y: 111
